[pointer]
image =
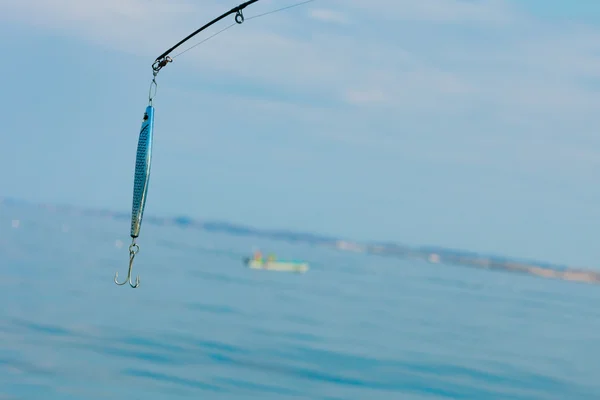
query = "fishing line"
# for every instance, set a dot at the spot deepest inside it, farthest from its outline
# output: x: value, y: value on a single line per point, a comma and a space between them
x: 236, y: 23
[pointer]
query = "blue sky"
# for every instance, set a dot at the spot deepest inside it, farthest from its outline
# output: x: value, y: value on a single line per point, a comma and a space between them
x: 470, y: 124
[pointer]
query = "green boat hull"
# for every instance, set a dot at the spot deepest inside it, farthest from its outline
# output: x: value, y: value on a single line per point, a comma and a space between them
x: 286, y: 266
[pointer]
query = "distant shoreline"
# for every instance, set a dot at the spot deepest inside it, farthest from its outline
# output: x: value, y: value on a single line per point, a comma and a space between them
x: 433, y: 255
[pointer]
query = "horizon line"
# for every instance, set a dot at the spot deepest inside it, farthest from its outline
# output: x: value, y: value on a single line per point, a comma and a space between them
x: 186, y: 220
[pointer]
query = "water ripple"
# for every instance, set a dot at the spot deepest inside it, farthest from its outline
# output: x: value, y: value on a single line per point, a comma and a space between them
x: 352, y: 328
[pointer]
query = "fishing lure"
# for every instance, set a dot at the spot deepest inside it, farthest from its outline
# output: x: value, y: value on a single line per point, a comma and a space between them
x: 143, y: 159
x: 143, y: 162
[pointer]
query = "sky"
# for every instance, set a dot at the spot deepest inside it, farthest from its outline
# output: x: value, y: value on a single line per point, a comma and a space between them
x: 470, y: 124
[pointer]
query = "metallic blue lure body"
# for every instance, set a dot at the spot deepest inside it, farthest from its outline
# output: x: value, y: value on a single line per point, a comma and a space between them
x: 141, y: 180
x: 143, y: 163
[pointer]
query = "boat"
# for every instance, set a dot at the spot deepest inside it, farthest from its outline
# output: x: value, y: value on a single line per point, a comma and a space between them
x: 276, y: 265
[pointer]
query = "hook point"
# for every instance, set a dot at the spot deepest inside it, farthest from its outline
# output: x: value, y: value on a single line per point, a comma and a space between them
x: 133, y: 249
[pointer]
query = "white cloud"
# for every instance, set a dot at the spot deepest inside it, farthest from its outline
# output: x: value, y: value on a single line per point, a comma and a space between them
x: 512, y: 71
x: 136, y: 26
x: 449, y: 11
x: 365, y: 96
x: 329, y: 16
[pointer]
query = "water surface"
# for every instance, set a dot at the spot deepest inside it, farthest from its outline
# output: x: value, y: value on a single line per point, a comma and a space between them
x: 202, y: 326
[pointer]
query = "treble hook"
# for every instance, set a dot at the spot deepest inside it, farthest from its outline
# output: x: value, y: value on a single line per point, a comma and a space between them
x: 133, y: 249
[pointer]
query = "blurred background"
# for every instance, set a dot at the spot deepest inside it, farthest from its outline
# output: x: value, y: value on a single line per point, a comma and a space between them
x: 435, y: 163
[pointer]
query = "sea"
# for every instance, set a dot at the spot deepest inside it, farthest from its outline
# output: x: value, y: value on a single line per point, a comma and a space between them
x: 202, y: 326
